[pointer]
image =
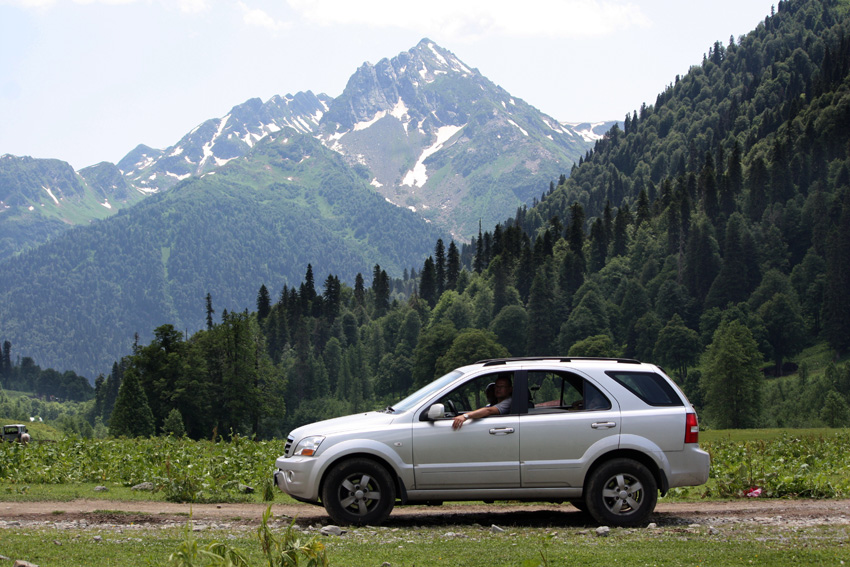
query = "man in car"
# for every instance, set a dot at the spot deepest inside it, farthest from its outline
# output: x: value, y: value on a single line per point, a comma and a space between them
x: 504, y: 393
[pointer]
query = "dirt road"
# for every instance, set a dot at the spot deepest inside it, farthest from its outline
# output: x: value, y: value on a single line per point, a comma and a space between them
x: 121, y: 513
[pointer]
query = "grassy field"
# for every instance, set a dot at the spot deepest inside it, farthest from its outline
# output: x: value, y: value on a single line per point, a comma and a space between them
x: 451, y: 545
x: 785, y: 463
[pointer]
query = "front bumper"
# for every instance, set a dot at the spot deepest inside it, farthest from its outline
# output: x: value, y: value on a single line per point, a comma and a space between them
x: 298, y: 477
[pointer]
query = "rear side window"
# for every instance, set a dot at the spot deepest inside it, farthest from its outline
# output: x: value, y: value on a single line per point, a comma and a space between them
x: 650, y: 387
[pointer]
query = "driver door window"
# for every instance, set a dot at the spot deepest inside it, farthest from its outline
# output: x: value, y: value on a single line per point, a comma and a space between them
x: 476, y: 393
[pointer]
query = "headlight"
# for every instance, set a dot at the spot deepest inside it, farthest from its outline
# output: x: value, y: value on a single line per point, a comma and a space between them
x: 308, y: 446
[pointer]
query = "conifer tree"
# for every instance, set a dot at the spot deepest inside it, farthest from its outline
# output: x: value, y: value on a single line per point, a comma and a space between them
x: 621, y: 236
x: 453, y: 266
x: 359, y: 289
x: 541, y: 306
x: 440, y: 266
x: 210, y: 312
x: 428, y: 282
x: 264, y: 303
x: 732, y: 378
x: 131, y: 417
x: 479, y: 262
x: 381, y: 290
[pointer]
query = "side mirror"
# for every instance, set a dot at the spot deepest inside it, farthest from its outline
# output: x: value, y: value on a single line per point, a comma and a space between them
x: 436, y: 411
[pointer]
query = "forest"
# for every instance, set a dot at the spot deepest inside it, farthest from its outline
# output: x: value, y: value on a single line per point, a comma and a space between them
x: 709, y: 235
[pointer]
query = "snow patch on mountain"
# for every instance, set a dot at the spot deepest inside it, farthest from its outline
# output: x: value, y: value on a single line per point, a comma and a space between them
x: 367, y: 123
x: 49, y: 192
x: 208, y: 153
x: 418, y: 176
x: 521, y: 129
x: 586, y: 130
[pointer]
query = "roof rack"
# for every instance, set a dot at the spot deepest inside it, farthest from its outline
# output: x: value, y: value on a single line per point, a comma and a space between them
x: 498, y: 361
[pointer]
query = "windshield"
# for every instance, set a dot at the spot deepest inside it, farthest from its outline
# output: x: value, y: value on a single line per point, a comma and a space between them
x: 416, y: 397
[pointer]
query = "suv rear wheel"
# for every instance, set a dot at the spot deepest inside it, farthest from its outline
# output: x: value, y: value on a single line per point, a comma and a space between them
x: 621, y: 492
x: 359, y: 492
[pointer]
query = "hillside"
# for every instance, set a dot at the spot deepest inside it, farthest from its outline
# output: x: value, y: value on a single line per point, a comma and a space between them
x: 41, y: 198
x: 77, y: 301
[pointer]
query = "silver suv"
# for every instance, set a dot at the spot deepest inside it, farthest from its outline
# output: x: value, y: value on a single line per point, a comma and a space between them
x: 603, y: 434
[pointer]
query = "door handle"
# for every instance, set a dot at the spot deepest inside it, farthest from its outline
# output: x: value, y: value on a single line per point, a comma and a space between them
x: 501, y: 430
x: 603, y: 425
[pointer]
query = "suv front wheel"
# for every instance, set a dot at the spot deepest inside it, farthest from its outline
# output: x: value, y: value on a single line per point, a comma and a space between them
x: 621, y: 492
x: 359, y: 492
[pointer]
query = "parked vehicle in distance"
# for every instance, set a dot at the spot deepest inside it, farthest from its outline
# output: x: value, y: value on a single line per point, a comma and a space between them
x: 17, y: 433
x: 604, y: 434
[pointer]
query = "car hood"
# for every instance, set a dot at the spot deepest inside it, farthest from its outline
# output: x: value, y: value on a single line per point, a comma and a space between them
x: 345, y: 424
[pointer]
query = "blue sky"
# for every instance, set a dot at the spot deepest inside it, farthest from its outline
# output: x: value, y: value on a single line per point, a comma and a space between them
x: 87, y: 80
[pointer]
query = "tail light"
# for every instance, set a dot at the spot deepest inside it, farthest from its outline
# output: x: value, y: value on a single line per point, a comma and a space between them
x: 691, y: 428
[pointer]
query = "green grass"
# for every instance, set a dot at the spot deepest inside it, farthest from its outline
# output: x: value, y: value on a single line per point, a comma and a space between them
x: 452, y: 545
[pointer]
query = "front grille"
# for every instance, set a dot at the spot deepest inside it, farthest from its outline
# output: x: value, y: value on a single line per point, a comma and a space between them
x: 287, y: 450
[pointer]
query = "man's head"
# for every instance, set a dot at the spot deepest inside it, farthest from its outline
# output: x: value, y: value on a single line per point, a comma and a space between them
x: 504, y: 388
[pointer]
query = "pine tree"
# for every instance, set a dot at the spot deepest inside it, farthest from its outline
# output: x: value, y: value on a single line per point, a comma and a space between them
x: 264, y: 303
x: 428, y: 282
x: 381, y: 290
x: 440, y: 266
x: 359, y: 290
x: 452, y: 266
x: 210, y: 312
x: 732, y: 378
x: 541, y: 306
x: 479, y: 261
x: 131, y: 417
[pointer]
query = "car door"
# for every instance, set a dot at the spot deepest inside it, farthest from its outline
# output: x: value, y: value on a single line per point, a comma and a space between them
x: 483, y: 453
x: 568, y: 416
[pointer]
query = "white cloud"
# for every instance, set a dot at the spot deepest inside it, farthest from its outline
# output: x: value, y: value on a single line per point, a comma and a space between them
x: 186, y: 6
x: 261, y: 18
x: 473, y: 19
x: 193, y: 6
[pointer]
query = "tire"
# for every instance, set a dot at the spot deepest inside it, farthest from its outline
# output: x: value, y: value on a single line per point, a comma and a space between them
x: 358, y: 492
x: 621, y: 492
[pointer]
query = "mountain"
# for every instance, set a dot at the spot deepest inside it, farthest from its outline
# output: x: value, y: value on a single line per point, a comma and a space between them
x: 443, y: 140
x: 219, y: 140
x: 77, y: 301
x: 432, y: 134
x: 40, y: 198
